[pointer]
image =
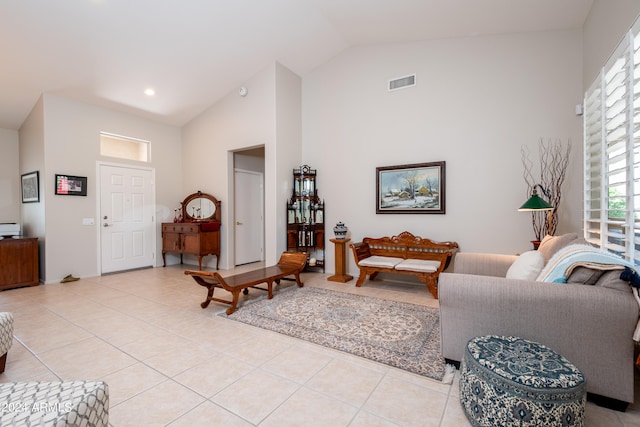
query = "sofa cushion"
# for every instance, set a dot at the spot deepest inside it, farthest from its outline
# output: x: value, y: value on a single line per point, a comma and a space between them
x: 585, y: 276
x: 380, y: 261
x: 527, y: 266
x: 552, y: 244
x: 423, y: 265
x: 612, y: 280
x: 605, y: 276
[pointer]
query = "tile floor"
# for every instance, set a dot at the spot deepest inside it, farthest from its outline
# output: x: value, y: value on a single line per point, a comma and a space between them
x: 169, y: 362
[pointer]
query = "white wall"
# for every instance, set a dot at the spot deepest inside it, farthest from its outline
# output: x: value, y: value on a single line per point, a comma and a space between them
x: 250, y: 160
x: 288, y: 155
x: 31, y: 158
x: 607, y: 23
x: 477, y: 101
x: 236, y: 123
x: 10, y: 192
x: 71, y: 135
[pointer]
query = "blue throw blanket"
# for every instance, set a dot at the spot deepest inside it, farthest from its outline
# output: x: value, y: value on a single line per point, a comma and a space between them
x: 560, y: 266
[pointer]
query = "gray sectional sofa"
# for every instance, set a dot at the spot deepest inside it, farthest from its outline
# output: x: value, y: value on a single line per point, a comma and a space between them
x: 592, y: 325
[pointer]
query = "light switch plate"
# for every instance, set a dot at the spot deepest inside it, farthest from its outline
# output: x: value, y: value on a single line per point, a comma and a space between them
x: 88, y: 221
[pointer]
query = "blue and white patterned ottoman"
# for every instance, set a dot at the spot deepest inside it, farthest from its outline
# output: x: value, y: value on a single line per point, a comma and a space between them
x: 57, y: 403
x: 510, y: 381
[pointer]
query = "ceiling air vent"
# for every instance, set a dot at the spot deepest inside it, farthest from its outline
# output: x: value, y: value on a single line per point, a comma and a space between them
x: 402, y: 82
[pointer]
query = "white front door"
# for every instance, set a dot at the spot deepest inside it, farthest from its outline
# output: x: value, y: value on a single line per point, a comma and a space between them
x: 249, y: 217
x: 127, y: 224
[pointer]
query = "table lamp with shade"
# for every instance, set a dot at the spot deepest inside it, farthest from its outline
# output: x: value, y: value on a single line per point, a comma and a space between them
x: 537, y: 203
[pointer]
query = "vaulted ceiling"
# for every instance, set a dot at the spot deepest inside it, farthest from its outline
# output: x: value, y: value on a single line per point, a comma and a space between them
x: 193, y: 52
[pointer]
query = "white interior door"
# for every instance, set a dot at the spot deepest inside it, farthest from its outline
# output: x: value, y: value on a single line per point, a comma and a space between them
x: 249, y: 224
x: 127, y: 206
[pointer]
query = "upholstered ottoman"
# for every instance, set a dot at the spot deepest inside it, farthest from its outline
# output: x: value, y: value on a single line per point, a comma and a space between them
x: 6, y: 337
x: 64, y: 403
x: 509, y: 381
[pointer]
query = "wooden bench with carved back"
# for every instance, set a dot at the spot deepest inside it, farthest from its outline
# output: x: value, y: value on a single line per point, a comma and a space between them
x: 404, y: 254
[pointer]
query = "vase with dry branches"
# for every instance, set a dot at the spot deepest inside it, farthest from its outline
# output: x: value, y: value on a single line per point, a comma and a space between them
x: 554, y: 159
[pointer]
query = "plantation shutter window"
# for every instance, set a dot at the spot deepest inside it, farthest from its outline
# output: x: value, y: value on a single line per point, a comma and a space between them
x: 612, y: 153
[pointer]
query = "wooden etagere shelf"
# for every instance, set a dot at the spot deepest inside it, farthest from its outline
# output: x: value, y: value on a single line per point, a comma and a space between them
x: 305, y: 218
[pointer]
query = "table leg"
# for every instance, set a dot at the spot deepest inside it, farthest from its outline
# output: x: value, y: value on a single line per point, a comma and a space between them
x: 270, y: 289
x: 298, y: 281
x: 205, y: 304
x: 234, y: 302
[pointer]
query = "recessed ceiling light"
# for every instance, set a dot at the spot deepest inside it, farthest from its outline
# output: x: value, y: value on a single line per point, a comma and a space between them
x: 149, y: 92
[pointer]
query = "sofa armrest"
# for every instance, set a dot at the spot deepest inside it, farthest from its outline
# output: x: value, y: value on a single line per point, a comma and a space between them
x: 589, y: 325
x: 483, y: 264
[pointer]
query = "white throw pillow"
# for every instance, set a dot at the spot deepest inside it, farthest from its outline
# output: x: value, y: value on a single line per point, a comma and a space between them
x: 527, y: 266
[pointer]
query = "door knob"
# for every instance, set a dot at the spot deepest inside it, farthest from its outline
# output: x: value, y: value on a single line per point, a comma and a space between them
x: 238, y: 223
x: 106, y: 225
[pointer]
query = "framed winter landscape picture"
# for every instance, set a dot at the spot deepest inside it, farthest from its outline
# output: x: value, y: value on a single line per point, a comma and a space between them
x: 417, y: 188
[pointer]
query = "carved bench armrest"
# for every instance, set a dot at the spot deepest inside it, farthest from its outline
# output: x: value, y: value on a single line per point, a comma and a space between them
x: 294, y: 259
x: 360, y: 251
x: 446, y: 260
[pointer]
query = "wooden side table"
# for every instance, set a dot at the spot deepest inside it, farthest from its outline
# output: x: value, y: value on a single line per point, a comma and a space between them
x: 341, y: 262
x: 19, y: 262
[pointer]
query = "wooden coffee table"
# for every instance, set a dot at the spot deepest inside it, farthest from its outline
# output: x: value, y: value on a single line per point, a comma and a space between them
x: 290, y: 263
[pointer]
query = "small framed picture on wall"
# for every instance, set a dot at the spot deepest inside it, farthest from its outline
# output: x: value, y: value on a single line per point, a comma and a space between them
x: 31, y: 187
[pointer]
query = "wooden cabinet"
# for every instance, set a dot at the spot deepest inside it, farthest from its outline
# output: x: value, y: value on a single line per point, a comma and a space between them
x: 191, y: 238
x: 18, y: 263
x: 305, y: 218
x: 199, y: 235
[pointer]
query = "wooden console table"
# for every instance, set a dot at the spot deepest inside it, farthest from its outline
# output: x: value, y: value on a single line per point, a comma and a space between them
x: 190, y: 238
x: 198, y: 233
x: 18, y: 263
x: 341, y: 261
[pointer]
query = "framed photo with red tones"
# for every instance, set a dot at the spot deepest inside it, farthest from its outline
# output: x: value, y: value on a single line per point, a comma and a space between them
x: 68, y: 185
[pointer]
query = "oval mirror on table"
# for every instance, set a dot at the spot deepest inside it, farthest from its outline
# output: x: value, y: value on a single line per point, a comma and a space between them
x: 200, y: 207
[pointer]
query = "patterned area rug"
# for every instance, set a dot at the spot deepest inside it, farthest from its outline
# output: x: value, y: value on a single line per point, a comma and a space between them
x: 406, y: 336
